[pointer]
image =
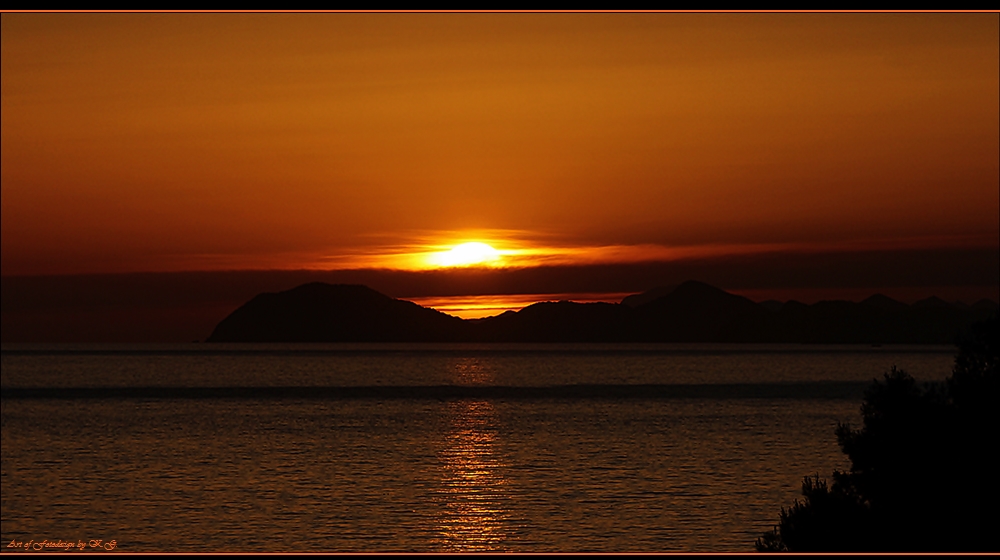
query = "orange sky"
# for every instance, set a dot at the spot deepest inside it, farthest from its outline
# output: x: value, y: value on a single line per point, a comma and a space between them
x: 169, y: 142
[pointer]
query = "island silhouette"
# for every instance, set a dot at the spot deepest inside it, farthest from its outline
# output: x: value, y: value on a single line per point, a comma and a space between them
x: 690, y: 312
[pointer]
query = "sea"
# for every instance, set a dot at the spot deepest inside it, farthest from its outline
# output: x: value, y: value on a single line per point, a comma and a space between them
x: 423, y: 447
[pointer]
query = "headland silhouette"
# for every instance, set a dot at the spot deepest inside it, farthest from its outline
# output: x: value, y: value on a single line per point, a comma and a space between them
x: 690, y: 312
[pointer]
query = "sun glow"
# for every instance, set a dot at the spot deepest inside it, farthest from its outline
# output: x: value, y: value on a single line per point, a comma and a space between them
x: 511, y: 249
x: 472, y: 253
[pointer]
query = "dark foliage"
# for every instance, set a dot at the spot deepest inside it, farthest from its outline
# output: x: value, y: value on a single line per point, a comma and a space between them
x: 923, y: 471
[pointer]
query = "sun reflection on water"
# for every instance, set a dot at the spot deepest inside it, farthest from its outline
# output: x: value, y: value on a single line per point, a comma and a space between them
x: 473, y: 486
x: 472, y: 371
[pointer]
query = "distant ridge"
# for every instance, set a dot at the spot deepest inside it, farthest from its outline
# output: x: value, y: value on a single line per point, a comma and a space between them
x: 690, y: 312
x: 635, y: 300
x: 320, y: 312
x: 884, y: 303
x: 698, y: 312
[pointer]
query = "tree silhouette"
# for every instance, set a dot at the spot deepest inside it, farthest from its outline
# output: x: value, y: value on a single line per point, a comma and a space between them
x: 923, y: 472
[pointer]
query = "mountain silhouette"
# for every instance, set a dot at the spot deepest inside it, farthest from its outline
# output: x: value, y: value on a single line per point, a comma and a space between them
x: 698, y: 312
x: 562, y: 321
x: 985, y: 306
x: 320, y: 312
x: 884, y: 303
x: 635, y: 300
x: 690, y: 312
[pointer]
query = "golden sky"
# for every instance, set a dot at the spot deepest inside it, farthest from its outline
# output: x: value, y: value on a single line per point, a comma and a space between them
x: 169, y: 142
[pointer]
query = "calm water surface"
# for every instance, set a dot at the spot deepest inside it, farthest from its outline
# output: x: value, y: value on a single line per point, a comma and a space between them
x: 424, y: 447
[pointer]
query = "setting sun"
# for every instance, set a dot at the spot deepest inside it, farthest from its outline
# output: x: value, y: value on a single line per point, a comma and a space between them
x: 466, y: 254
